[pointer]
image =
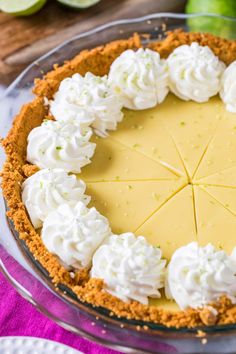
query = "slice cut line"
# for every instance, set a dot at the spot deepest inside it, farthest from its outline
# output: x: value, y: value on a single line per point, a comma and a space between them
x: 173, y: 225
x: 220, y: 154
x: 224, y: 178
x: 224, y: 195
x: 120, y: 201
x: 192, y: 126
x: 214, y: 221
x: 144, y: 132
x: 113, y: 161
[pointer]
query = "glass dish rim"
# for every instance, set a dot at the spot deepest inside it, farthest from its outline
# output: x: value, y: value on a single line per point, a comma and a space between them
x: 165, y: 15
x: 108, y: 25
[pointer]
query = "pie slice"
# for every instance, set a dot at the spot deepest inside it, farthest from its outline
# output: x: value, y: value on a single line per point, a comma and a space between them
x: 120, y: 201
x: 173, y: 225
x: 113, y: 161
x: 215, y: 223
x: 224, y: 178
x: 191, y: 125
x: 220, y: 153
x: 143, y: 132
x: 224, y: 195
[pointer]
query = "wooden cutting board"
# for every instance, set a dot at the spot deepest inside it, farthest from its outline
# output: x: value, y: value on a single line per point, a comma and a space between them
x: 22, y: 40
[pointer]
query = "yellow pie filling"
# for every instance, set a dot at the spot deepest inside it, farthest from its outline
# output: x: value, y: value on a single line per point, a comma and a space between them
x: 168, y: 173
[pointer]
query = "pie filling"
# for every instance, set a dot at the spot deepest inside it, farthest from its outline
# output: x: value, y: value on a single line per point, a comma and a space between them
x: 154, y: 159
x: 155, y: 232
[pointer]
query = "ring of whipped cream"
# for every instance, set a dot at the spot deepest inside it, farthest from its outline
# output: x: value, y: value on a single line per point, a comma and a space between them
x: 55, y: 199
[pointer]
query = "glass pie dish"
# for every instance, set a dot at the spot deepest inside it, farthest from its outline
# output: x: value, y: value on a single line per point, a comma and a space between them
x: 32, y: 280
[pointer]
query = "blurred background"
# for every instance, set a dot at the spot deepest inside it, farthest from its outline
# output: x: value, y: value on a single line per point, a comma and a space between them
x: 23, y: 39
x: 30, y: 28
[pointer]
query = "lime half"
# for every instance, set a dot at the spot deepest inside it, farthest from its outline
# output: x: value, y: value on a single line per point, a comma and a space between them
x: 79, y: 4
x: 21, y: 7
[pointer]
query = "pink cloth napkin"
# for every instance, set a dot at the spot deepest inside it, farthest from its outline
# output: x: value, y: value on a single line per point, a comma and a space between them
x: 19, y: 318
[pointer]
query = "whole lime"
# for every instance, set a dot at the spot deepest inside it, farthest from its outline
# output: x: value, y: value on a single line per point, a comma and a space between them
x: 219, y: 26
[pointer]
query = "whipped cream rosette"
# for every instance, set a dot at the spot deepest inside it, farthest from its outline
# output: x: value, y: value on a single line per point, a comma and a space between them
x: 73, y: 233
x: 131, y: 268
x: 44, y: 191
x: 61, y: 109
x: 233, y: 254
x: 89, y: 100
x: 199, y: 275
x: 195, y: 72
x: 140, y: 78
x: 228, y: 87
x: 60, y: 144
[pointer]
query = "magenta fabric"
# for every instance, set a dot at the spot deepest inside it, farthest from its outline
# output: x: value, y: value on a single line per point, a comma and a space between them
x: 19, y: 318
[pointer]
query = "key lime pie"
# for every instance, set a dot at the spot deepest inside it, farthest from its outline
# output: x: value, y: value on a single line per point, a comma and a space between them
x: 121, y: 178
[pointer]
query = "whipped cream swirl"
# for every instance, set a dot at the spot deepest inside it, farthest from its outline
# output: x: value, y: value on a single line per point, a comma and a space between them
x: 195, y: 72
x: 89, y: 100
x: 228, y: 87
x: 44, y: 191
x: 198, y: 275
x: 131, y: 268
x: 60, y: 144
x: 74, y: 233
x: 140, y: 78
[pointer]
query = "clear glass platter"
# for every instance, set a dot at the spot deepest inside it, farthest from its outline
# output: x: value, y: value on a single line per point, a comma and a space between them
x: 26, y: 274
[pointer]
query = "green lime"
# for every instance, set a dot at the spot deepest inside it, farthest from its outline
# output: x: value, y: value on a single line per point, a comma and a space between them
x: 78, y: 4
x: 21, y: 7
x: 219, y: 26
